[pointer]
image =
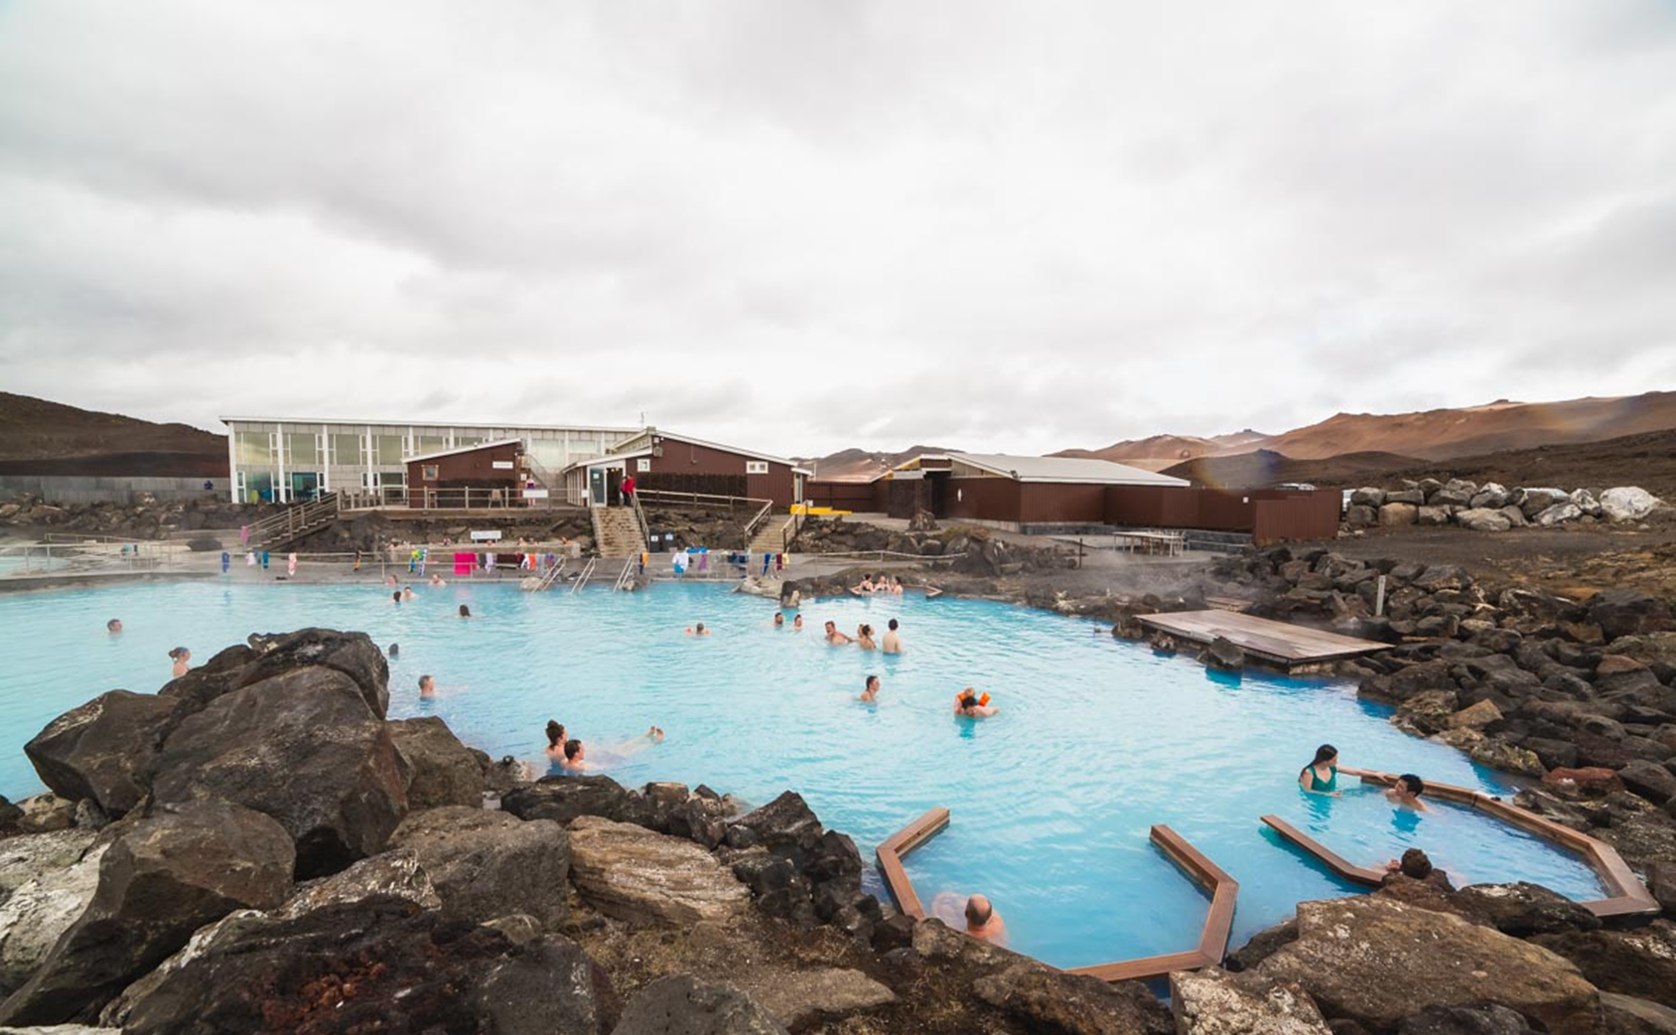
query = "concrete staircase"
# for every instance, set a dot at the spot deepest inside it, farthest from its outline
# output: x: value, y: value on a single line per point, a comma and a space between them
x: 616, y: 532
x: 769, y: 536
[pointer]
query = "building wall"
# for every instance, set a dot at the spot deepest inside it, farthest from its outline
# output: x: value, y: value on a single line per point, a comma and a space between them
x: 475, y: 470
x: 986, y: 499
x: 264, y: 456
x: 1268, y: 514
x: 1055, y: 502
x: 682, y: 458
x: 862, y: 497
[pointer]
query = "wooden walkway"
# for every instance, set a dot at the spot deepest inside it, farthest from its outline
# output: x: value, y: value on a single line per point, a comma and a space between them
x: 1213, y: 936
x: 1278, y: 643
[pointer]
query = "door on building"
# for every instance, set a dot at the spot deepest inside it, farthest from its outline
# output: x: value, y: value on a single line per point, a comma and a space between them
x: 305, y: 486
x: 596, y: 486
x: 614, y: 485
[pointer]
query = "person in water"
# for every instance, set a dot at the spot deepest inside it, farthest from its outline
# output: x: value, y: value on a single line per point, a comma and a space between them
x: 576, y: 762
x: 436, y: 580
x: 797, y: 623
x: 779, y: 620
x: 113, y: 626
x: 427, y: 688
x: 1406, y: 792
x: 870, y: 692
x: 864, y: 637
x: 183, y: 660
x: 407, y: 592
x: 893, y: 640
x: 969, y: 706
x: 833, y: 636
x: 396, y: 597
x: 1321, y: 775
x: 864, y: 586
x: 555, y: 741
x: 974, y: 916
x: 395, y: 649
x: 465, y: 612
x: 698, y: 630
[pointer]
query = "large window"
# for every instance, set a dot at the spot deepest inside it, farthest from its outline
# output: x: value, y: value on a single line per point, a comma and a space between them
x: 302, y: 449
x: 424, y: 444
x: 346, y: 449
x: 389, y: 449
x: 254, y: 449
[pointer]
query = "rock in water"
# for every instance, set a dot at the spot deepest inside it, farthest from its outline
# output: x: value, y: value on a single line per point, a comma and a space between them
x: 684, y: 1005
x: 443, y: 770
x: 1214, y: 1002
x: 634, y: 874
x: 1224, y: 654
x: 1373, y: 960
x: 168, y: 875
x: 102, y: 749
x: 302, y: 747
x: 489, y: 864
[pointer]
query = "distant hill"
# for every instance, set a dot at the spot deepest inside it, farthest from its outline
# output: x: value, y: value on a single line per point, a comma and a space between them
x: 1265, y: 467
x: 1158, y: 451
x: 860, y: 465
x: 42, y: 437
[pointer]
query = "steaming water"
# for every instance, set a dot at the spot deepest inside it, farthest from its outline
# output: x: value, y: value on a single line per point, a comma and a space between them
x: 1052, y: 800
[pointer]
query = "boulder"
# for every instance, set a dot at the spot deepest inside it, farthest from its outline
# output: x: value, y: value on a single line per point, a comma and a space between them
x: 46, y: 812
x: 1596, y: 781
x: 1368, y: 496
x: 1488, y: 1019
x: 32, y: 856
x: 1215, y: 1002
x: 1515, y: 517
x: 1359, y: 516
x: 799, y: 998
x: 488, y: 864
x: 351, y: 653
x: 210, y: 680
x: 1434, y: 515
x: 1490, y: 496
x: 377, y: 966
x: 1650, y: 780
x: 1557, y: 514
x: 1627, y: 1015
x: 785, y: 822
x: 1640, y: 963
x: 1585, y: 501
x: 1223, y: 654
x: 637, y: 875
x: 564, y: 798
x: 1627, y: 503
x: 167, y: 875
x: 302, y: 747
x: 1427, y: 712
x: 394, y: 875
x: 1521, y: 909
x: 1629, y: 612
x: 1475, y: 716
x: 684, y: 1005
x: 1396, y: 514
x: 1483, y: 519
x: 1371, y: 960
x: 102, y: 749
x: 36, y: 913
x: 1405, y: 497
x: 442, y: 771
x: 1533, y: 501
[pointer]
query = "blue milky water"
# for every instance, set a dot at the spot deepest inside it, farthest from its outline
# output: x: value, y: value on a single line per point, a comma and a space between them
x: 1052, y: 800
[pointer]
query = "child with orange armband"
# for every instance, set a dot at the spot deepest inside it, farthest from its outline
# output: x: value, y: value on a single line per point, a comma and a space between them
x: 967, y: 703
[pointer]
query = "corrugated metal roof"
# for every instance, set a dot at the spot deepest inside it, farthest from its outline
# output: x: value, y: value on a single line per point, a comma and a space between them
x: 1065, y: 469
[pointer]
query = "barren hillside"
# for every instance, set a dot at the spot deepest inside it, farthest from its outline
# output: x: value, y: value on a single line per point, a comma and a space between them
x: 42, y: 437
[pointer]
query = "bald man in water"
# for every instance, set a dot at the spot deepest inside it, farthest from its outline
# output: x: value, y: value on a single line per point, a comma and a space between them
x: 984, y: 923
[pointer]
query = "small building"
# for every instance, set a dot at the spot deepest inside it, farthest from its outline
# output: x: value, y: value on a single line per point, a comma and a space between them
x: 663, y: 461
x: 1012, y: 491
x: 486, y: 475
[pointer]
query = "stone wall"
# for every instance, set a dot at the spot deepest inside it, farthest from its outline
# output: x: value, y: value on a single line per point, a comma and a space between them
x: 93, y: 489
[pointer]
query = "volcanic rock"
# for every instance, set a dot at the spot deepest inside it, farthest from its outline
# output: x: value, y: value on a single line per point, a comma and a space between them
x: 1483, y: 519
x: 442, y: 770
x: 1627, y: 503
x: 564, y: 798
x: 1488, y: 1019
x: 101, y: 750
x: 1215, y: 1002
x: 1629, y: 612
x: 351, y: 653
x: 634, y: 874
x: 36, y: 913
x: 1640, y: 963
x: 32, y: 856
x: 799, y: 998
x: 488, y: 864
x: 1394, y: 514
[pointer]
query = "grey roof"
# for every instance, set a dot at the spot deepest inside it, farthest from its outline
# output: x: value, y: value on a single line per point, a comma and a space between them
x: 1065, y: 469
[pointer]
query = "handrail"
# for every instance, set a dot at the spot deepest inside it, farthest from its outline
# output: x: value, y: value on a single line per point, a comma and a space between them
x: 671, y: 496
x: 625, y: 577
x: 587, y: 573
x: 750, y: 526
x: 294, y: 520
x: 551, y: 576
x: 790, y: 531
x: 640, y: 521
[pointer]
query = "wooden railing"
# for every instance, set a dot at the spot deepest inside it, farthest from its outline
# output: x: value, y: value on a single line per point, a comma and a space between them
x: 294, y: 520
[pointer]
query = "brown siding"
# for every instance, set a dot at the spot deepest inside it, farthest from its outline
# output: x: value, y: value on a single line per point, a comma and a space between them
x: 1302, y: 515
x: 865, y: 497
x: 980, y: 499
x: 472, y: 469
x: 1268, y: 514
x: 687, y: 458
x: 1059, y: 502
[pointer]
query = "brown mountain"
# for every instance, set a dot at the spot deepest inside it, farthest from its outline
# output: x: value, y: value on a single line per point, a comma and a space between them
x: 42, y: 437
x: 860, y: 465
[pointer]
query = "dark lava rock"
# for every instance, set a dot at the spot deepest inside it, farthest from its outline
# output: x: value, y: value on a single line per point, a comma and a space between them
x: 353, y: 654
x: 1488, y: 1019
x: 1640, y: 963
x: 169, y: 874
x: 684, y: 1005
x: 1223, y: 654
x: 210, y: 680
x: 102, y: 750
x: 1627, y: 612
x: 1650, y: 780
x: 1523, y: 909
x: 1262, y: 945
x: 379, y: 966
x: 442, y: 771
x: 563, y: 798
x: 487, y: 864
x: 302, y: 747
x: 785, y: 822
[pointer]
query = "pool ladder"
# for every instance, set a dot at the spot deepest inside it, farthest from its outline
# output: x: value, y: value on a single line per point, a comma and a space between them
x: 625, y: 578
x: 551, y: 577
x: 586, y: 574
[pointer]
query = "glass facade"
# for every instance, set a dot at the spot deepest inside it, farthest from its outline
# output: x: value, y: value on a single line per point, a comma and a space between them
x: 289, y: 461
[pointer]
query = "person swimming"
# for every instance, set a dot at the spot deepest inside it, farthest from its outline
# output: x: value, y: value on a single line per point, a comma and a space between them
x: 797, y: 623
x: 396, y: 597
x: 968, y: 705
x: 395, y: 649
x: 1406, y: 792
x: 864, y: 637
x: 465, y: 612
x: 182, y: 658
x: 427, y: 687
x: 576, y: 762
x: 833, y: 636
x: 697, y: 630
x: 1321, y: 775
x: 870, y: 692
x: 779, y: 620
x: 407, y: 592
x: 555, y: 741
x: 113, y: 626
x: 893, y: 641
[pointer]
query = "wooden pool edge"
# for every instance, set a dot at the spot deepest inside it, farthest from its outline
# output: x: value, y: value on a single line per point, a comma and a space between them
x: 1629, y: 897
x: 1212, y: 943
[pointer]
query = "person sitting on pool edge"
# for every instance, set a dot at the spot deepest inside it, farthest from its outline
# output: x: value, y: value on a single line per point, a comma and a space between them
x: 833, y: 636
x: 871, y: 691
x: 1406, y: 792
x: 969, y: 706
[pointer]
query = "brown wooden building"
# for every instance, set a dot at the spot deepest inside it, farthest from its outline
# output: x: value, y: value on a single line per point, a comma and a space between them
x: 664, y: 461
x: 442, y: 479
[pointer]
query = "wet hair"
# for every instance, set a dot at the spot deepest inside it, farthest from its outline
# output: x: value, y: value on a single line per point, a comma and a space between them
x: 870, y: 681
x: 555, y: 733
x: 867, y: 630
x: 178, y: 652
x: 1416, y: 786
x: 968, y: 698
x: 1325, y: 753
x: 396, y: 596
x: 699, y: 627
x: 395, y: 648
x: 976, y: 914
x: 891, y: 625
x: 572, y: 748
x: 426, y: 678
x: 779, y: 618
x: 830, y: 624
x: 465, y: 612
x: 113, y: 623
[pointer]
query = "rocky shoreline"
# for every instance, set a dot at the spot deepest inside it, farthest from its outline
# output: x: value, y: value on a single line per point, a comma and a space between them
x: 257, y: 847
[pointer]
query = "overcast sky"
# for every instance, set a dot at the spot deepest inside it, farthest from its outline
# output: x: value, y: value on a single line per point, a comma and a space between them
x: 803, y: 226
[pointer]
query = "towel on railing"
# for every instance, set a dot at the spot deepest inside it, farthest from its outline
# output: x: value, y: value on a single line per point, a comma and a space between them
x: 488, y: 562
x: 464, y: 562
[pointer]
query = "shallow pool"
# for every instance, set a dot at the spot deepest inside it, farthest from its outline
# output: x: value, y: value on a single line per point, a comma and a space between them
x: 1052, y: 800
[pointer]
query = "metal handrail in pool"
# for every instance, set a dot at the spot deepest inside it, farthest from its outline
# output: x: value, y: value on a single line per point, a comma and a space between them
x: 1629, y: 897
x: 1213, y: 937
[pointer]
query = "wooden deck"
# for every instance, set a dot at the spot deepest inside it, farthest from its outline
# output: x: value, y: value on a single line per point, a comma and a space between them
x: 1213, y: 936
x: 1278, y: 643
x: 1628, y: 896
